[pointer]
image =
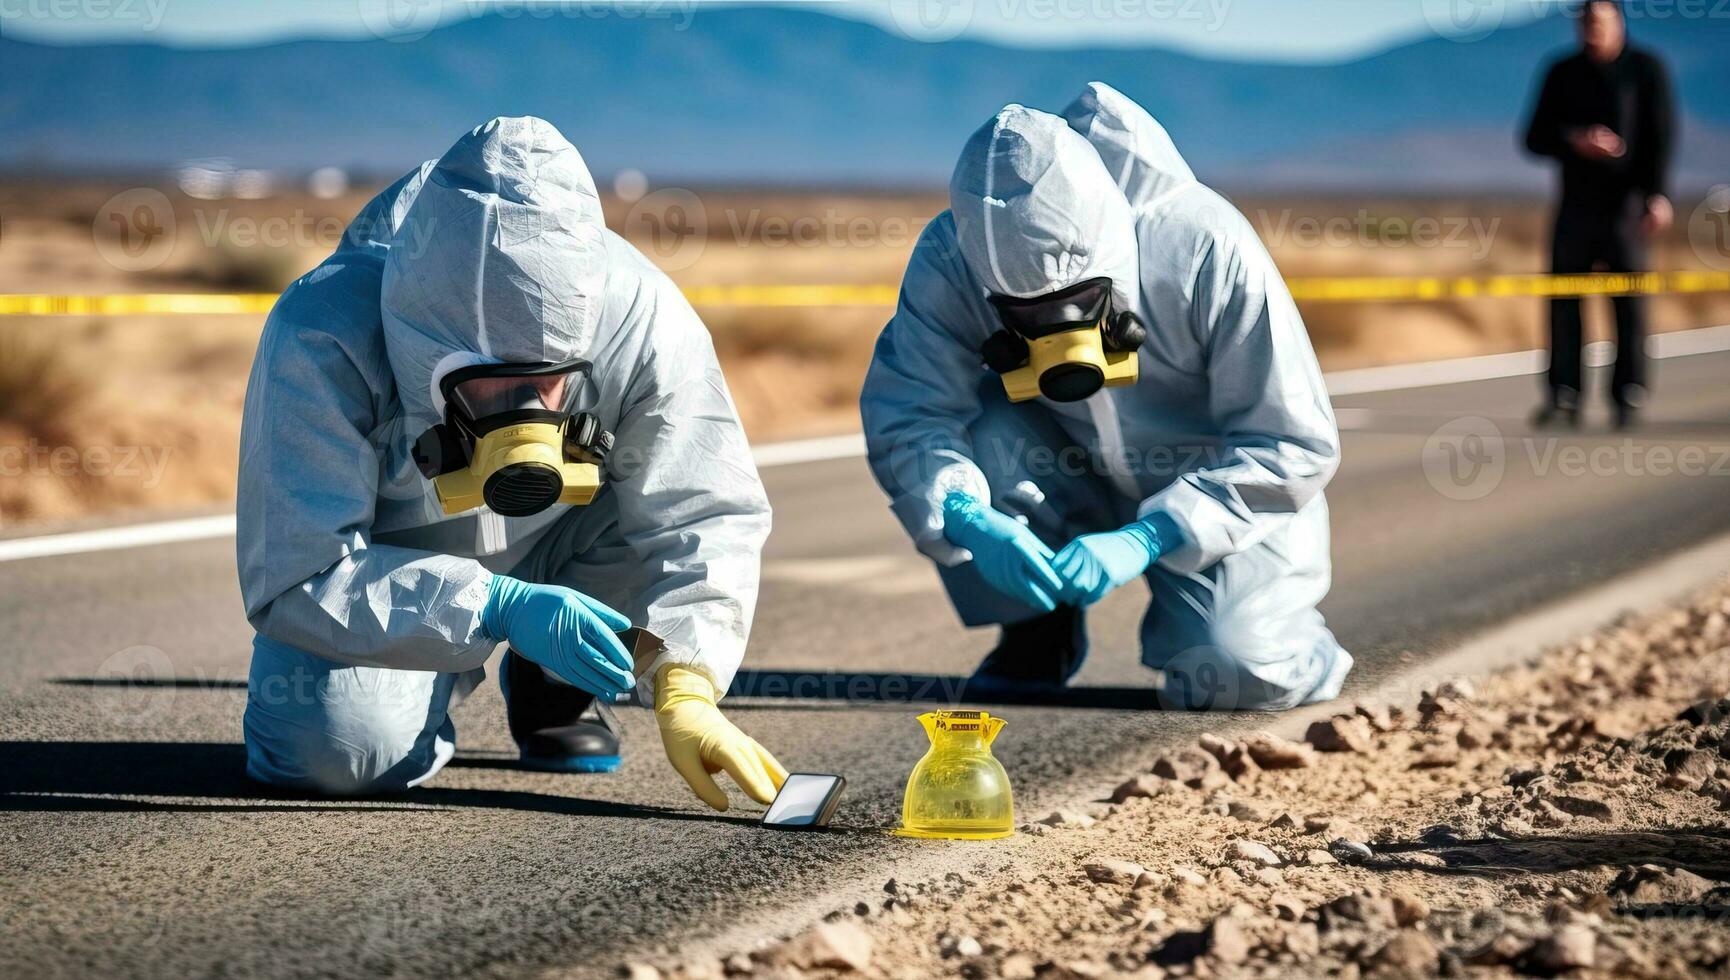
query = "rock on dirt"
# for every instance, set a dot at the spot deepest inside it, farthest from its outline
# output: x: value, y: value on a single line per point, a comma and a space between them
x: 1581, y: 805
x: 1151, y: 879
x: 965, y: 947
x: 1690, y: 770
x: 1066, y: 818
x: 1253, y: 852
x: 1612, y: 723
x: 1192, y: 767
x: 832, y: 945
x: 1215, y: 746
x: 1114, y: 872
x: 1459, y: 689
x: 1357, y: 910
x: 1347, y: 851
x: 1380, y: 717
x: 1438, y: 755
x: 1224, y: 939
x: 1227, y: 941
x: 1409, y: 954
x: 1409, y: 908
x: 1651, y: 884
x: 1248, y: 811
x: 1188, y: 875
x: 1272, y: 752
x: 1140, y: 786
x: 1571, y: 947
x: 1709, y: 712
x: 1342, y: 733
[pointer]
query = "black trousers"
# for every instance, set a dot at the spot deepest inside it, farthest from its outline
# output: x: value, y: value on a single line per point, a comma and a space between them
x: 1599, y: 239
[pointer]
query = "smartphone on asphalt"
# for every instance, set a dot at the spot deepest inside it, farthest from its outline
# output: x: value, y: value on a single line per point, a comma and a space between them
x: 807, y: 800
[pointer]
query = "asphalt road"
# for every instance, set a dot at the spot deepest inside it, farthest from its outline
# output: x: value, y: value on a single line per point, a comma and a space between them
x: 130, y: 844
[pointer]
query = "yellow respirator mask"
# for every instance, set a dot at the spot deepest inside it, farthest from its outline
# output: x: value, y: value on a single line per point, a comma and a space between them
x: 508, y: 442
x: 1064, y: 345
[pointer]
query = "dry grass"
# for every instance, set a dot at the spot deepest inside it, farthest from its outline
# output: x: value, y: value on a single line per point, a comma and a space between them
x: 99, y: 416
x: 794, y: 371
x: 41, y: 391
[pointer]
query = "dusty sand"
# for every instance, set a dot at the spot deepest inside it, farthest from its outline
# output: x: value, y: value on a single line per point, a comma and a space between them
x: 1564, y: 817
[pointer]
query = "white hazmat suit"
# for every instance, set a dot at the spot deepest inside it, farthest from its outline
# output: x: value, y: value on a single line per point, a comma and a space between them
x: 366, y: 599
x: 1228, y: 436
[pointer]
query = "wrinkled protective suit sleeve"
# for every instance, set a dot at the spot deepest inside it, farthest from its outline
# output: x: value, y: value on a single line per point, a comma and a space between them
x: 922, y: 393
x: 310, y: 575
x: 1266, y: 395
x: 691, y: 505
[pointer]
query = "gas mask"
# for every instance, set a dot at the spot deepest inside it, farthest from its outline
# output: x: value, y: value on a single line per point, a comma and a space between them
x: 508, y: 440
x: 1064, y: 345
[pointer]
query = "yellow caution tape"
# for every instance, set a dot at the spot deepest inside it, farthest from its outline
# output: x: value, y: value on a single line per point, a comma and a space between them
x: 1371, y: 289
x: 1395, y: 289
x: 834, y: 295
x: 134, y: 304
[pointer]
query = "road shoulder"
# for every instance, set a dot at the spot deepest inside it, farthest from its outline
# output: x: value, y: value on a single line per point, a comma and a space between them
x: 1518, y: 809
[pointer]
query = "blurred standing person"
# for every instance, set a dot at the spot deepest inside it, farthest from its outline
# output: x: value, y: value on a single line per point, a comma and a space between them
x: 1605, y: 113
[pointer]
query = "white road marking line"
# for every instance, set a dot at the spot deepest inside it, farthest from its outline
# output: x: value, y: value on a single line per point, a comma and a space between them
x: 111, y: 538
x: 1681, y: 343
x: 1350, y: 419
x: 1396, y: 377
x: 1488, y: 367
x: 809, y: 450
x: 876, y: 575
x: 1393, y: 377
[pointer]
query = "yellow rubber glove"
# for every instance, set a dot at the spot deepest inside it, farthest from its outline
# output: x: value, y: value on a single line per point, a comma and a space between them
x: 701, y: 742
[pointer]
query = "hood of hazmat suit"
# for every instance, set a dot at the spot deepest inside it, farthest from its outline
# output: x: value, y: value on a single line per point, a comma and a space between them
x: 496, y: 252
x: 1028, y: 211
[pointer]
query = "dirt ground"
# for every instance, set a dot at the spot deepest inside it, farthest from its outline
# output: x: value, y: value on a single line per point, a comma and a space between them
x: 105, y: 414
x: 1566, y: 817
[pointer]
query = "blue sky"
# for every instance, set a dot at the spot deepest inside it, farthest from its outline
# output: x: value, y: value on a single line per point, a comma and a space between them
x: 1286, y: 30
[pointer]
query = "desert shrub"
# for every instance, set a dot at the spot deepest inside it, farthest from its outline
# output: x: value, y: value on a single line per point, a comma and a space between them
x: 42, y: 389
x: 251, y: 269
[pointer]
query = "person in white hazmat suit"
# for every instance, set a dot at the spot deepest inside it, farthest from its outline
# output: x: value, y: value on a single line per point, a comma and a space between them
x: 1096, y: 374
x: 487, y: 419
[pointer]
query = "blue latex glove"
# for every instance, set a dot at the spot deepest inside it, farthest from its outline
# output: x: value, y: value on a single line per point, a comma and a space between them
x: 1009, y: 556
x: 1094, y: 564
x: 563, y: 630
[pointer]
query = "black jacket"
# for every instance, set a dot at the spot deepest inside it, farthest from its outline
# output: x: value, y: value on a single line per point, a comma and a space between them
x: 1631, y: 96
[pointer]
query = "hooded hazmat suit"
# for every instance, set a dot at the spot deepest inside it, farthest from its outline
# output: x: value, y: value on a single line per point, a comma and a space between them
x: 1228, y: 436
x: 366, y: 599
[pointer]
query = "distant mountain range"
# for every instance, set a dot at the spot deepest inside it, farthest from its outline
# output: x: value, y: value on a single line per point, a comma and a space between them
x: 777, y: 95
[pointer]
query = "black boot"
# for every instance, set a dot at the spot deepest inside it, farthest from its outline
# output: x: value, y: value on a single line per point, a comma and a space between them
x: 1563, y: 408
x: 1629, y: 400
x: 1042, y: 652
x: 557, y: 727
x: 1627, y: 416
